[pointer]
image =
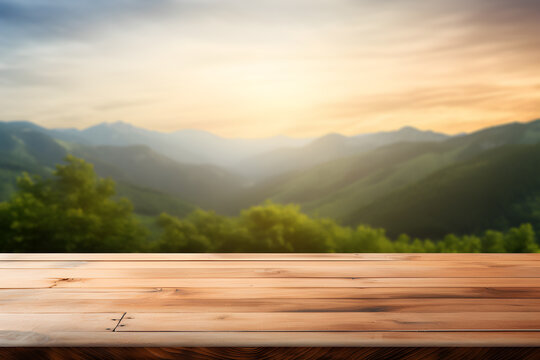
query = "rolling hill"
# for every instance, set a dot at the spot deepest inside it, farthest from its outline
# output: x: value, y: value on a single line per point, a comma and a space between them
x: 342, y: 188
x: 496, y: 190
x: 24, y: 147
x: 327, y: 148
x: 148, y: 202
x: 337, y: 188
x: 206, y: 186
x: 421, y: 183
x: 184, y: 146
x: 152, y: 181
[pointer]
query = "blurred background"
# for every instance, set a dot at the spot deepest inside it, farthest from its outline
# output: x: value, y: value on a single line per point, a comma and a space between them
x: 269, y: 126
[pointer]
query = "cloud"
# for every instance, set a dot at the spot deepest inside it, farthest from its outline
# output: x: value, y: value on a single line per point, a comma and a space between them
x: 122, y: 104
x: 475, y: 95
x: 455, y: 108
x: 268, y: 66
x: 494, y: 27
x: 20, y: 77
x: 28, y: 21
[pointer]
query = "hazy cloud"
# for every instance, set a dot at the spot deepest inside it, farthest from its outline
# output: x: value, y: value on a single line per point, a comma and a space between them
x: 263, y: 67
x: 120, y: 104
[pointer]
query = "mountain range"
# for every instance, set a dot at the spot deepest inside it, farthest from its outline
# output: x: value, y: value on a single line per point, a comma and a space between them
x: 419, y: 182
x: 185, y: 146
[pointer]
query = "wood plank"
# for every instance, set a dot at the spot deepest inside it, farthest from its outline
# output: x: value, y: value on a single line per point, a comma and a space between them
x: 47, y: 322
x: 28, y: 282
x: 256, y: 257
x: 314, y: 269
x: 270, y: 299
x: 323, y: 321
x: 251, y: 339
x: 29, y: 304
x: 265, y: 264
x: 396, y: 271
x: 277, y: 293
x: 271, y: 353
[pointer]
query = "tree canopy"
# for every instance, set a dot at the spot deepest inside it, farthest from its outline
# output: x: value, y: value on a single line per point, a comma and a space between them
x: 283, y: 228
x: 75, y: 211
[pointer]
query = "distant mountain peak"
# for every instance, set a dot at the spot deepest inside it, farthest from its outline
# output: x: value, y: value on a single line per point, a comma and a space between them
x: 332, y: 136
x: 22, y: 124
x: 117, y: 127
x: 112, y: 125
x: 409, y: 128
x: 329, y: 141
x: 122, y: 124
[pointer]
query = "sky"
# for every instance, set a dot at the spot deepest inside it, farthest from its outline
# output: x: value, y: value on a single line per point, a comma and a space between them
x: 261, y: 68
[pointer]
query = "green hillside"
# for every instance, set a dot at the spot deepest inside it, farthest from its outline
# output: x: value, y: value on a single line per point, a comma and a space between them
x: 327, y: 148
x: 74, y: 210
x: 23, y: 147
x: 149, y: 202
x: 417, y: 187
x: 206, y: 186
x: 497, y: 189
x: 337, y: 188
x: 340, y: 188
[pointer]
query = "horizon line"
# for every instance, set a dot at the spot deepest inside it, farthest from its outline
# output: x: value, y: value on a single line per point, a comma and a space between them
x: 123, y: 122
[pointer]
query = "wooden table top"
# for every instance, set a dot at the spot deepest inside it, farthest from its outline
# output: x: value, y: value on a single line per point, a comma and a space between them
x: 269, y: 300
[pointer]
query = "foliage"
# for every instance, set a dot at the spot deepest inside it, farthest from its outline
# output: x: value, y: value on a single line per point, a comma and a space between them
x: 498, y: 189
x: 283, y: 228
x: 148, y: 202
x: 75, y: 211
x: 268, y: 228
x: 72, y: 212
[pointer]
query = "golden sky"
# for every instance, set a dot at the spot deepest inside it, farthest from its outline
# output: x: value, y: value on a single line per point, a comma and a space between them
x: 261, y: 68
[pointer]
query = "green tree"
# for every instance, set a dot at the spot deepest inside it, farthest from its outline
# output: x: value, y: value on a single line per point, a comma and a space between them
x: 493, y: 242
x: 190, y: 235
x: 520, y: 240
x: 283, y: 228
x: 367, y: 239
x: 266, y: 228
x: 74, y: 211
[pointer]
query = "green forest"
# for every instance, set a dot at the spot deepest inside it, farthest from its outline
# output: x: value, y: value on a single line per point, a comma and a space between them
x: 77, y: 211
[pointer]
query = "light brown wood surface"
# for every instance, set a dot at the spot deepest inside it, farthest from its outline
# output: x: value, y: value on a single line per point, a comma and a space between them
x: 270, y: 300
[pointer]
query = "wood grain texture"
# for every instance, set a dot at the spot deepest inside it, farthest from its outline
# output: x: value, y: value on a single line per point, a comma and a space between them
x: 275, y: 339
x: 267, y: 353
x: 254, y: 257
x: 44, y: 322
x: 13, y: 281
x: 153, y: 294
x: 270, y: 300
x: 28, y: 304
x: 336, y: 321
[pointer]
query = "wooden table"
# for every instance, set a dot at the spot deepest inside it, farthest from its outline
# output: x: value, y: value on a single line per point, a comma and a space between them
x: 274, y: 301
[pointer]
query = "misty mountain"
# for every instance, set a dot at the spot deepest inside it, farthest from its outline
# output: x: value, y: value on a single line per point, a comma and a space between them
x: 123, y: 134
x: 339, y: 187
x: 327, y: 148
x: 24, y: 147
x: 185, y: 146
x: 152, y: 181
x: 496, y: 190
x: 493, y: 137
x: 254, y: 159
x: 430, y: 185
x: 206, y: 186
x: 342, y: 188
x: 226, y: 152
